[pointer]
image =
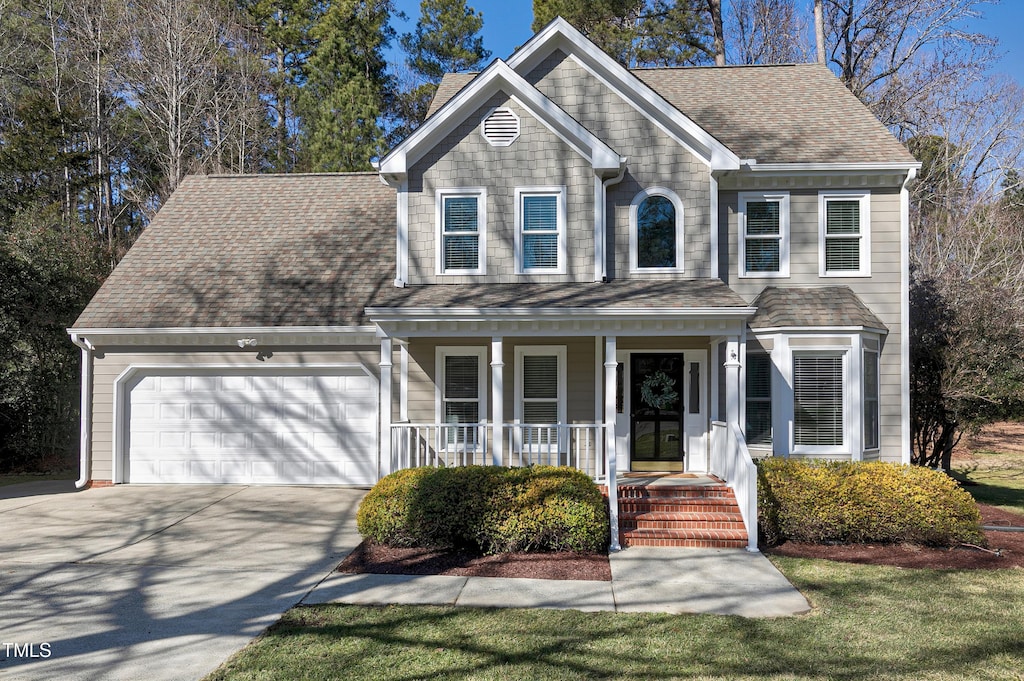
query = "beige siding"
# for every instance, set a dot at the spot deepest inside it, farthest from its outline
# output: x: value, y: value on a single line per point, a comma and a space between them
x: 465, y: 159
x: 110, y: 363
x: 655, y: 160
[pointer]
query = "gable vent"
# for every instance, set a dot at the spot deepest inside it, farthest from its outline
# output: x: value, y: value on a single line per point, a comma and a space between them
x: 501, y: 127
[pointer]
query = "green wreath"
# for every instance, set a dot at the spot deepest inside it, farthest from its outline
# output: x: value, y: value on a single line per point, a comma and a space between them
x: 658, y: 390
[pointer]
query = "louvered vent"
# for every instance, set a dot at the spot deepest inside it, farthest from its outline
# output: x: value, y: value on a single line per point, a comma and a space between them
x: 501, y: 127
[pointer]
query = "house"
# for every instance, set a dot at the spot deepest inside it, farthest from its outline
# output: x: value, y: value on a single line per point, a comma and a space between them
x: 569, y: 262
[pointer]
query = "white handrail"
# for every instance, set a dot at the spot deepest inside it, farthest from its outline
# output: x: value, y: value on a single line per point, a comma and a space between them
x: 731, y: 461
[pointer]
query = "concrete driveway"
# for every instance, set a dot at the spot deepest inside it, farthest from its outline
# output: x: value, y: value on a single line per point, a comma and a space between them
x: 156, y: 581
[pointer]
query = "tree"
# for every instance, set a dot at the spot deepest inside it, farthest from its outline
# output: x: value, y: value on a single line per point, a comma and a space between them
x: 446, y: 40
x: 766, y: 32
x: 346, y: 86
x: 638, y: 32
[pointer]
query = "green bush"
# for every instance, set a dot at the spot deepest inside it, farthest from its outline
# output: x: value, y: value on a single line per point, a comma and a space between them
x: 486, y: 508
x: 854, y: 502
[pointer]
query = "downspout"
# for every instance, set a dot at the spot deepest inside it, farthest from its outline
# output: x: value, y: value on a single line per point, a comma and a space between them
x: 601, y: 222
x: 85, y: 438
x: 905, y: 315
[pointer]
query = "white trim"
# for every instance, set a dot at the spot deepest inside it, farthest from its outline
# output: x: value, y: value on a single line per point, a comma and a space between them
x: 559, y: 351
x: 788, y: 168
x: 634, y: 236
x: 264, y: 336
x: 560, y: 35
x: 119, y: 435
x: 557, y: 314
x: 440, y: 196
x: 498, y: 77
x: 193, y: 330
x: 782, y: 198
x: 442, y: 351
x: 864, y: 199
x: 715, y: 221
x: 877, y: 352
x: 562, y: 228
x: 402, y: 235
x: 500, y: 143
x: 905, y: 446
x: 403, y: 381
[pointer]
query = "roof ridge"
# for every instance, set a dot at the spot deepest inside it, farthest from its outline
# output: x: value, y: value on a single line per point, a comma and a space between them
x: 232, y: 176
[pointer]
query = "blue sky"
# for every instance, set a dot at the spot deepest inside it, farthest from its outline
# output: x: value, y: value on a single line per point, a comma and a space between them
x: 507, y: 25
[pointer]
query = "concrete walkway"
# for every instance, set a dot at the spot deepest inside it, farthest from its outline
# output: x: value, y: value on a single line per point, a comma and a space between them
x: 710, y: 581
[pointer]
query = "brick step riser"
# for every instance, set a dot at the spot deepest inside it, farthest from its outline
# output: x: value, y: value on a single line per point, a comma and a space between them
x: 661, y: 496
x: 726, y: 535
x: 688, y: 543
x: 693, y: 506
x: 673, y: 526
x: 682, y: 517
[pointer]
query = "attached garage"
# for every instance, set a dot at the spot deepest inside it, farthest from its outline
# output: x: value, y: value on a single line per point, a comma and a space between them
x: 248, y: 426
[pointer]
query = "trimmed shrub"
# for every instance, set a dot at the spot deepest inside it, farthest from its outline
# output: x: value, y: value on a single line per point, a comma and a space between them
x: 841, y: 502
x: 488, y: 509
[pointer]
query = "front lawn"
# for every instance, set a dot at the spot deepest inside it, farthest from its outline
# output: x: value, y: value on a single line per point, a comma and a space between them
x: 868, y: 622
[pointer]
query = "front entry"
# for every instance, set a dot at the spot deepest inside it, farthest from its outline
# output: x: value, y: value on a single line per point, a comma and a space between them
x: 656, y: 411
x: 662, y: 410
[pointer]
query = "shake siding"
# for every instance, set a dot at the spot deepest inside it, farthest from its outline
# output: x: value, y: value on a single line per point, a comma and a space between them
x: 880, y: 292
x: 655, y: 160
x: 464, y: 159
x: 109, y: 364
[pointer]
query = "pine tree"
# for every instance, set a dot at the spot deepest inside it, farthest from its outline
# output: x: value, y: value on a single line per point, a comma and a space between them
x: 346, y: 87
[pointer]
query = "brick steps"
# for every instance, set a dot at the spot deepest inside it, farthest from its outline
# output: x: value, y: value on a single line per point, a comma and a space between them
x: 703, y: 516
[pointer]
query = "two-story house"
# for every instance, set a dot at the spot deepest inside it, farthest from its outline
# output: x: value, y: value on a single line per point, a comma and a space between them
x: 569, y: 262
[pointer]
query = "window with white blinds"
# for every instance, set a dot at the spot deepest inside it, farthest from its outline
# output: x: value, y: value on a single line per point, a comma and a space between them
x: 764, y: 234
x: 540, y: 386
x: 845, y: 243
x: 871, y: 414
x: 462, y: 220
x: 461, y: 385
x: 759, y: 399
x: 541, y: 229
x: 818, y: 404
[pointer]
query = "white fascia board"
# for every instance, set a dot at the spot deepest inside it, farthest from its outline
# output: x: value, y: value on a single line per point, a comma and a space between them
x: 790, y: 168
x: 561, y: 35
x: 555, y: 314
x: 265, y: 335
x: 816, y: 330
x: 496, y: 78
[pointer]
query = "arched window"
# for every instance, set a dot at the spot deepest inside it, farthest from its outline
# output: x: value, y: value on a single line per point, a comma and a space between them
x: 656, y: 231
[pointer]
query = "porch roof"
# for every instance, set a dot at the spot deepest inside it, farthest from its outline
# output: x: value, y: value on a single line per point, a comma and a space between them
x: 619, y: 294
x: 826, y: 306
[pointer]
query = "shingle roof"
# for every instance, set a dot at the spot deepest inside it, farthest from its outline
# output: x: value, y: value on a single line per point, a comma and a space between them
x: 256, y: 250
x: 790, y: 113
x: 619, y: 293
x: 832, y: 306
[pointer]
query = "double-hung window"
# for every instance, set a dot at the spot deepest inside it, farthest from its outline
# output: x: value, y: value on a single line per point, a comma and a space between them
x: 540, y: 230
x: 819, y: 403
x: 461, y: 218
x: 844, y: 234
x: 540, y: 391
x: 461, y: 398
x: 759, y: 399
x: 870, y: 387
x: 764, y: 234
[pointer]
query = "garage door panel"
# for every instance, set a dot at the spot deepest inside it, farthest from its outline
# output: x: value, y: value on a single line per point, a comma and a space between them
x: 241, y: 427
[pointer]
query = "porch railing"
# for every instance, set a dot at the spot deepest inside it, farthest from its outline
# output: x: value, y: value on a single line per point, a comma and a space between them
x: 579, y: 445
x: 731, y: 461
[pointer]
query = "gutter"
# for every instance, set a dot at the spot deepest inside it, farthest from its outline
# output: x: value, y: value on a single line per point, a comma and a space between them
x: 85, y: 443
x: 601, y: 231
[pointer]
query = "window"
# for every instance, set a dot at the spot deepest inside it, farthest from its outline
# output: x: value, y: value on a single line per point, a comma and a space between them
x: 540, y: 390
x: 845, y: 241
x: 764, y: 235
x: 818, y: 401
x: 461, y: 391
x: 871, y: 399
x: 461, y: 220
x: 759, y: 399
x: 656, y: 231
x: 540, y: 229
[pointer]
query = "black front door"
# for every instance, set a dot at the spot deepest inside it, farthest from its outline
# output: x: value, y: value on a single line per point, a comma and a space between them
x: 656, y: 402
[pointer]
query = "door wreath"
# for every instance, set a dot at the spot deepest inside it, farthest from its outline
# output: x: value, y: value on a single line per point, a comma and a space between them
x: 658, y: 390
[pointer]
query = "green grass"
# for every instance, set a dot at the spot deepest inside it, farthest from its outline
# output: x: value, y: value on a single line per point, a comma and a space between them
x: 868, y: 623
x: 995, y: 478
x: 35, y: 477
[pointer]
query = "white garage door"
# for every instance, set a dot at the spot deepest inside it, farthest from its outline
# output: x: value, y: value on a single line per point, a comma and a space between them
x: 253, y: 427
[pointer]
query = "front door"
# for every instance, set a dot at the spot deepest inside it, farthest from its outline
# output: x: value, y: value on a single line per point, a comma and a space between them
x: 657, y: 396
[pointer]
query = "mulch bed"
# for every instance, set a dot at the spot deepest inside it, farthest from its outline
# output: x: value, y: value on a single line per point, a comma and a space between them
x: 374, y: 558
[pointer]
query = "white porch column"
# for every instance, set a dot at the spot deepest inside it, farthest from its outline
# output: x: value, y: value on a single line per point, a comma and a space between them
x: 611, y: 363
x: 497, y: 398
x: 384, y: 462
x: 732, y: 380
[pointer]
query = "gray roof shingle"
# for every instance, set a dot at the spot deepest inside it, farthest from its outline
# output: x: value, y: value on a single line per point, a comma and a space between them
x: 826, y: 306
x: 618, y: 293
x: 789, y: 113
x: 256, y: 250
